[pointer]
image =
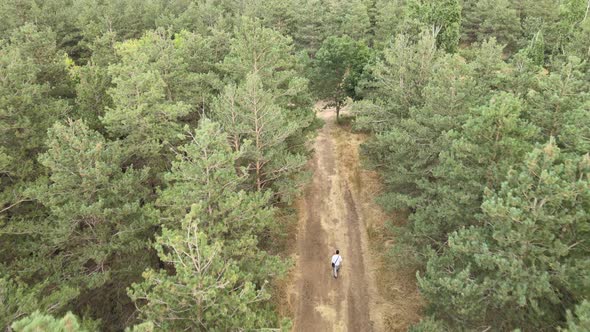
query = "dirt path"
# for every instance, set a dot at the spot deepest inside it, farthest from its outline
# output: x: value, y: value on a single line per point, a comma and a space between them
x: 335, y: 213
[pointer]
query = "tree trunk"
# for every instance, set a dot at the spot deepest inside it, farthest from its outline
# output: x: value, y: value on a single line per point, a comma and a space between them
x: 258, y: 175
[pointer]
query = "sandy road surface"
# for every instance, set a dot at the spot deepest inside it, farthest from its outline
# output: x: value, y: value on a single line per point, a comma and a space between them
x: 334, y: 213
x: 329, y: 220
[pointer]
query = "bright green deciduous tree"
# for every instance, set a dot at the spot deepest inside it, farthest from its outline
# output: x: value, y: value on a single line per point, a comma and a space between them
x: 338, y: 66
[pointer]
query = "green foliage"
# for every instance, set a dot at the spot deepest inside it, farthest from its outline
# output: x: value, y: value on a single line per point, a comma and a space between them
x: 447, y: 130
x: 41, y: 322
x: 252, y: 113
x: 525, y: 260
x: 389, y: 17
x: 573, y: 22
x: 96, y: 229
x: 206, y: 291
x: 16, y: 299
x: 536, y: 49
x: 312, y: 25
x: 397, y: 79
x: 428, y: 324
x: 145, y: 113
x: 493, y: 18
x: 442, y: 17
x: 270, y: 55
x: 33, y: 72
x: 411, y: 74
x: 338, y: 66
x: 578, y: 43
x: 219, y: 274
x: 143, y: 327
x: 95, y: 211
x: 350, y: 18
x: 92, y: 96
x: 559, y: 106
x: 581, y: 321
x: 159, y: 83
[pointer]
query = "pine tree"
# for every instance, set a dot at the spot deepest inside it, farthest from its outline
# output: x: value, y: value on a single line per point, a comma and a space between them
x: 396, y: 89
x: 270, y: 55
x: 264, y: 70
x: 204, y: 173
x: 397, y: 80
x: 581, y: 321
x: 351, y: 19
x: 40, y: 322
x: 277, y: 15
x: 479, y: 155
x: 573, y: 23
x: 205, y: 292
x: 19, y: 299
x: 252, y: 113
x: 313, y: 25
x: 218, y: 268
x: 540, y: 17
x: 94, y: 238
x: 145, y: 114
x: 442, y: 17
x: 415, y: 143
x: 536, y: 49
x: 30, y: 66
x: 524, y: 263
x: 559, y: 106
x: 577, y: 43
x: 92, y: 98
x: 498, y: 19
x: 389, y: 16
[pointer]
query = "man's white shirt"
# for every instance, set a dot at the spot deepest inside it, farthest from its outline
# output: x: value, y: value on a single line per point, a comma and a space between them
x: 337, y: 260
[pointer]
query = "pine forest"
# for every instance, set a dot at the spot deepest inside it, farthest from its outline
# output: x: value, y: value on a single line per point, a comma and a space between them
x: 192, y: 165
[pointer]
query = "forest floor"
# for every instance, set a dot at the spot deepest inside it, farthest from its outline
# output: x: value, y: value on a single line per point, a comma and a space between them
x: 337, y: 211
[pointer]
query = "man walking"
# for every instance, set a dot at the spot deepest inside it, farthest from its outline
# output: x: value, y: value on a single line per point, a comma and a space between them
x: 336, y: 262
